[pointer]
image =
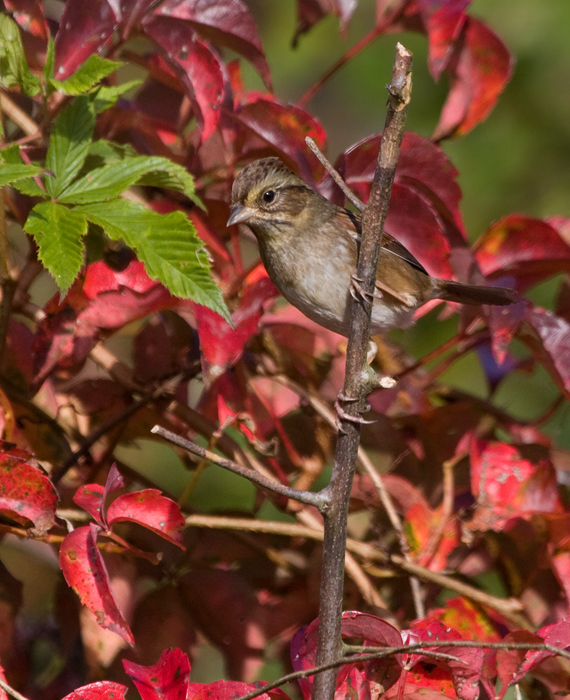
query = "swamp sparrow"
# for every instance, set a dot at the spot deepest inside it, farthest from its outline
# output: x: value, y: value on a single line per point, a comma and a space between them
x: 309, y: 247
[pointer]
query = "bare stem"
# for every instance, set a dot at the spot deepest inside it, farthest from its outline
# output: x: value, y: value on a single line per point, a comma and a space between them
x: 307, y: 497
x: 348, y: 193
x: 338, y: 491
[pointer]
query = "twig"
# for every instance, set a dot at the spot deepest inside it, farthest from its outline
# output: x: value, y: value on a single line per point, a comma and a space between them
x: 383, y: 652
x: 348, y: 193
x: 14, y: 693
x: 510, y: 608
x: 18, y: 116
x: 307, y: 497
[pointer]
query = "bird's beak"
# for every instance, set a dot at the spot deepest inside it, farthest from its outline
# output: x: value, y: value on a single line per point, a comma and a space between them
x: 240, y: 213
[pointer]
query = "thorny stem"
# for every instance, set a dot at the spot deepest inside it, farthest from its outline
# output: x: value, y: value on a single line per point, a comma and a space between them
x: 338, y: 490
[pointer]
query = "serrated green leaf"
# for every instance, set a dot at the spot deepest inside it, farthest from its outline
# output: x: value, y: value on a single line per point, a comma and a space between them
x: 111, y: 180
x: 111, y: 152
x: 11, y: 154
x: 172, y: 177
x: 107, y: 96
x: 29, y: 187
x: 11, y: 157
x: 13, y: 173
x: 58, y: 232
x: 87, y: 75
x: 13, y: 65
x: 168, y: 246
x: 69, y: 143
x: 49, y: 64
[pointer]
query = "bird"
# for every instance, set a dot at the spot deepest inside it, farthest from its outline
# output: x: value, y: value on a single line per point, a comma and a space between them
x: 309, y: 247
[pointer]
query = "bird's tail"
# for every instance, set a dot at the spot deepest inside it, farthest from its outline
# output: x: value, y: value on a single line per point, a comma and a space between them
x: 476, y: 295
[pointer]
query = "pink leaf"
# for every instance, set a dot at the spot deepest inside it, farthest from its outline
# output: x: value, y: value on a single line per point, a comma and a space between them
x: 150, y: 509
x: 102, y: 690
x: 85, y: 571
x: 168, y: 679
x: 26, y: 493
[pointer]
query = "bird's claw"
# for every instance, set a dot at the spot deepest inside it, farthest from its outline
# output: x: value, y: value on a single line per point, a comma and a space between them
x: 341, y: 414
x: 358, y: 294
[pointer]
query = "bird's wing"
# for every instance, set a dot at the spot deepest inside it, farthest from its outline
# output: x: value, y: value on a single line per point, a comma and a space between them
x: 352, y: 224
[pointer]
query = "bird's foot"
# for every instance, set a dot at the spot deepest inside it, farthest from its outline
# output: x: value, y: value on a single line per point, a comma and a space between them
x: 359, y: 294
x: 341, y: 414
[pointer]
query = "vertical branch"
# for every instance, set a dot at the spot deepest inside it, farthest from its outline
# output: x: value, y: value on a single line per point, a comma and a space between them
x: 338, y: 491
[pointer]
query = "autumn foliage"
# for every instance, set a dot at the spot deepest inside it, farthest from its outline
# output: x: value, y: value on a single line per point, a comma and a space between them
x: 119, y: 280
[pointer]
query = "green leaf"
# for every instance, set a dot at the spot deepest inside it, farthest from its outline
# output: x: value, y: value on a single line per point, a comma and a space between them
x: 12, y: 173
x: 172, y: 177
x: 13, y: 65
x: 69, y: 143
x: 107, y: 96
x: 49, y: 63
x: 167, y: 245
x: 87, y: 75
x: 111, y: 152
x: 111, y: 180
x: 11, y: 158
x: 58, y: 232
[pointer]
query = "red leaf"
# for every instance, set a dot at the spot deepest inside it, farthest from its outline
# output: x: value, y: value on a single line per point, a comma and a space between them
x: 150, y: 509
x: 528, y: 249
x: 194, y: 64
x: 227, y: 22
x: 93, y: 497
x: 26, y: 493
x: 509, y: 485
x: 168, y: 679
x: 424, y: 209
x: 102, y: 690
x: 90, y: 498
x: 479, y: 69
x: 285, y: 127
x: 86, y: 26
x: 466, y: 672
x: 85, y: 571
x: 99, y: 278
x: 546, y: 335
x: 223, y: 345
x: 29, y: 15
x: 370, y: 629
x: 443, y: 26
x: 231, y: 690
x: 75, y: 325
x: 514, y: 664
x: 309, y: 12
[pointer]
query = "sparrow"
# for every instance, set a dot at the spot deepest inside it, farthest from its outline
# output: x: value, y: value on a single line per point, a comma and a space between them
x: 309, y: 247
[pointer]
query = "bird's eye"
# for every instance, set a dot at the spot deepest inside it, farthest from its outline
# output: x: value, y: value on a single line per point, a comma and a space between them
x: 268, y: 196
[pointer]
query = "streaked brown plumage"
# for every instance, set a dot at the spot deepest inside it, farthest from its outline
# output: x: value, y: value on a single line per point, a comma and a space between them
x: 309, y: 247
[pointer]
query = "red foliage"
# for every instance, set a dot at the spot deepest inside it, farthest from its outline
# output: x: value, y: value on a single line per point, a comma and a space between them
x: 84, y: 376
